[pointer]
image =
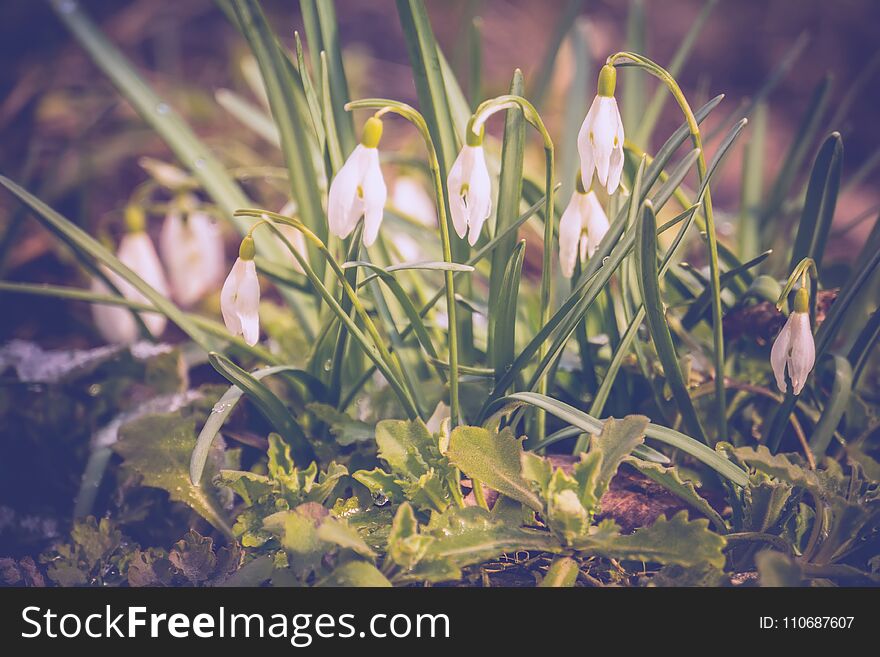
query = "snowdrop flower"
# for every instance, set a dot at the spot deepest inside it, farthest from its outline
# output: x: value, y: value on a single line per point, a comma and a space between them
x: 600, y: 140
x: 470, y: 190
x: 794, y: 348
x: 192, y: 250
x: 240, y: 297
x: 116, y: 323
x: 581, y: 228
x: 359, y: 189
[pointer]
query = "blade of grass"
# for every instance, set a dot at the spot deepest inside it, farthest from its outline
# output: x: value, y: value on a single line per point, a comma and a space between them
x: 269, y: 405
x: 818, y: 212
x: 322, y: 32
x: 509, y: 197
x: 649, y: 286
x: 504, y: 339
x: 220, y: 412
x: 838, y: 400
x: 591, y: 425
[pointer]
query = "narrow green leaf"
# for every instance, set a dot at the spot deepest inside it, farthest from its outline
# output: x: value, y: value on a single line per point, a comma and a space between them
x: 504, y: 337
x: 509, y: 197
x: 272, y: 408
x: 649, y: 286
x: 589, y: 424
x: 322, y: 33
x: 224, y: 407
x: 818, y: 212
x: 835, y: 407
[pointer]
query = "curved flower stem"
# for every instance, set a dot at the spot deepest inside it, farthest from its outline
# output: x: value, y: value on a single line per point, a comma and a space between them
x: 383, y: 359
x: 633, y: 59
x: 410, y: 114
x: 475, y: 124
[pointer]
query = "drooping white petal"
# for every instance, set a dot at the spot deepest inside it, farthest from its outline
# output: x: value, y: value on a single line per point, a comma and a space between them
x: 600, y: 143
x: 595, y: 222
x: 570, y: 227
x: 470, y: 192
x: 454, y: 183
x: 802, y: 354
x: 440, y: 415
x: 479, y: 195
x: 585, y: 146
x: 779, y: 354
x: 116, y: 324
x: 375, y: 193
x: 240, y: 301
x: 192, y: 250
x: 345, y: 205
x: 411, y: 198
x: 136, y: 250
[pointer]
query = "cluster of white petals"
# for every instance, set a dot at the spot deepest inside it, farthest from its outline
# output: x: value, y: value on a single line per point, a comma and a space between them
x: 470, y: 192
x: 581, y: 228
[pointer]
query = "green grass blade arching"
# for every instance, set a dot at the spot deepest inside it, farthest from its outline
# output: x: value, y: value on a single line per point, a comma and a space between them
x: 224, y: 407
x: 509, y: 197
x: 649, y: 286
x: 589, y: 424
x: 272, y: 408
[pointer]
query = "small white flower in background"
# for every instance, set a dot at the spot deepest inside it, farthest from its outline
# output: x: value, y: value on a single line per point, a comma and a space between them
x: 410, y: 197
x: 116, y: 323
x: 294, y: 236
x: 359, y: 188
x: 600, y: 140
x: 470, y: 189
x: 191, y: 245
x: 795, y: 349
x: 240, y: 297
x: 581, y: 228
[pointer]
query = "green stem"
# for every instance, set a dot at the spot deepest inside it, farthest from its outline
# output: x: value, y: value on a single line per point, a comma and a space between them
x: 628, y: 58
x: 483, y: 112
x: 410, y: 114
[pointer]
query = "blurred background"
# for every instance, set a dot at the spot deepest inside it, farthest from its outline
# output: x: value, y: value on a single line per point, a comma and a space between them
x: 71, y: 139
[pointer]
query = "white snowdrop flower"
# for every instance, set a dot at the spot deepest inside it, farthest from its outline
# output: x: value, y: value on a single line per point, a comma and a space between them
x: 192, y: 249
x: 294, y: 236
x: 581, y: 228
x: 116, y: 323
x: 438, y: 417
x: 359, y: 188
x: 794, y: 349
x: 410, y: 197
x: 240, y: 297
x: 600, y: 140
x: 470, y: 189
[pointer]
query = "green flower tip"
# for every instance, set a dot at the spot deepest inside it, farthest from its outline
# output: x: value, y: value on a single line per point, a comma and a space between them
x: 247, y: 249
x: 372, y: 132
x: 135, y: 219
x: 802, y: 300
x: 607, y: 80
x: 579, y: 183
x: 474, y: 139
